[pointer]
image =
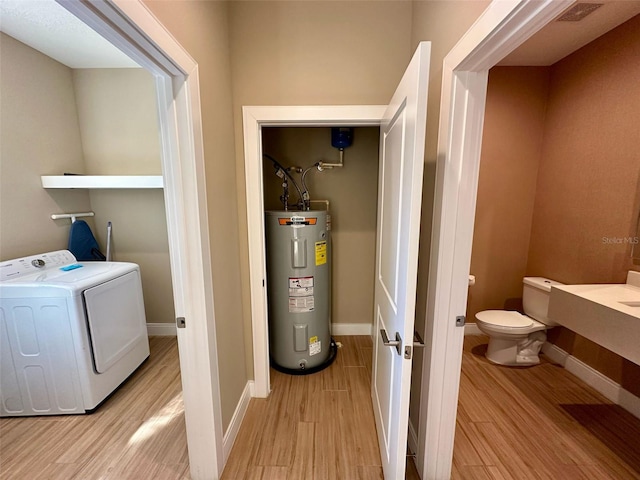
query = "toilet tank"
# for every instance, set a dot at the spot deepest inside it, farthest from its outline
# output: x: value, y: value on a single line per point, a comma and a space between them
x: 535, y: 298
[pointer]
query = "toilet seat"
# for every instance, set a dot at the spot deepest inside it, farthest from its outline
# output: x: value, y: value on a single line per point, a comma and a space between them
x: 505, y: 318
x: 515, y: 339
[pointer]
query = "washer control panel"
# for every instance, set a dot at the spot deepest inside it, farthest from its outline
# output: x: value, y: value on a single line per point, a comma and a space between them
x: 20, y: 267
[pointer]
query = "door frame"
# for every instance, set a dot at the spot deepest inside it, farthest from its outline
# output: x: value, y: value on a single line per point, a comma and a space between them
x: 502, y: 27
x: 130, y: 26
x: 254, y: 118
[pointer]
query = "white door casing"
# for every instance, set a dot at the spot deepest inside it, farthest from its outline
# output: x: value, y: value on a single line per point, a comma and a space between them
x: 503, y: 26
x: 130, y: 26
x: 402, y: 139
x: 254, y: 118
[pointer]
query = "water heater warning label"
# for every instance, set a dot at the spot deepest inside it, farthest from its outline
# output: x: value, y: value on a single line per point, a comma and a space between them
x: 300, y: 286
x: 321, y: 253
x: 301, y: 304
x: 315, y: 346
x: 301, y: 298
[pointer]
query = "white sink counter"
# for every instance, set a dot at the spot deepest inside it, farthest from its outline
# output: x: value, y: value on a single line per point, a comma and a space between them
x: 608, y: 315
x: 622, y: 297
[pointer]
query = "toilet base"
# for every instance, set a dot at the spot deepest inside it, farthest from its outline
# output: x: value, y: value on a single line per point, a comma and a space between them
x: 516, y: 352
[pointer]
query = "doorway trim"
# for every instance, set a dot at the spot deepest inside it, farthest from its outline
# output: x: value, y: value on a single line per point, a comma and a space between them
x: 502, y: 27
x: 130, y: 26
x: 254, y: 118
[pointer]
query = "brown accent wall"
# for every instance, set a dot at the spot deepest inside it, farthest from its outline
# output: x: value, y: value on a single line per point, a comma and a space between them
x: 584, y: 209
x: 588, y: 193
x: 511, y: 149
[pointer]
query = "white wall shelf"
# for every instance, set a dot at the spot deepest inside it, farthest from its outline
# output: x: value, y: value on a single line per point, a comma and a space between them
x: 102, y: 181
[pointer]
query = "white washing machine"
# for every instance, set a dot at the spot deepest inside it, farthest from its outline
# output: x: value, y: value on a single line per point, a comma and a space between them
x: 70, y: 332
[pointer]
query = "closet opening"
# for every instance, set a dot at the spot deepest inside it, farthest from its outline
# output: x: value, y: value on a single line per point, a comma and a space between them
x: 320, y: 206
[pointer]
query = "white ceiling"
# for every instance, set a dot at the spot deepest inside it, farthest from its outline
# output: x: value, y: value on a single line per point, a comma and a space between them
x: 51, y: 29
x: 559, y: 39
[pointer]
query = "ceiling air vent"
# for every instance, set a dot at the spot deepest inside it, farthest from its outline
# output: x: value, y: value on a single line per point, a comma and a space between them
x: 578, y: 12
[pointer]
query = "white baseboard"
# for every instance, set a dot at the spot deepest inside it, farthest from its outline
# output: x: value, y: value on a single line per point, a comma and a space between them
x: 234, y: 426
x: 472, y: 329
x: 413, y: 439
x: 555, y: 353
x: 351, y: 329
x: 162, y: 329
x: 594, y: 378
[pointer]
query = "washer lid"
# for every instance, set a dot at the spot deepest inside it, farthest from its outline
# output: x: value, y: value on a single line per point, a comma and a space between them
x: 505, y: 318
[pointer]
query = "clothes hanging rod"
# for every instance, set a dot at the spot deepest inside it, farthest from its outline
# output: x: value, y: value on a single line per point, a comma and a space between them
x: 72, y: 216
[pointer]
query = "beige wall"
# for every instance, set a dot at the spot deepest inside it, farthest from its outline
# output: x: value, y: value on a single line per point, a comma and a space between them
x: 294, y: 53
x: 292, y: 59
x: 353, y: 193
x: 306, y: 54
x: 589, y: 181
x: 202, y: 28
x: 118, y: 121
x: 39, y: 135
x: 283, y: 53
x: 55, y: 118
x: 318, y: 52
x: 119, y: 130
x: 443, y: 23
x: 311, y: 53
x: 511, y: 150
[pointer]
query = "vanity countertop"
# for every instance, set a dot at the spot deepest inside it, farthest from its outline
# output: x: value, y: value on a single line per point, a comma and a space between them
x: 622, y: 297
x: 607, y: 314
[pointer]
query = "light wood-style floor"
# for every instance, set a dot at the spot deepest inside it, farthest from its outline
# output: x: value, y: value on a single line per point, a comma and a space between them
x: 538, y: 423
x: 138, y: 433
x: 513, y: 423
x: 317, y: 426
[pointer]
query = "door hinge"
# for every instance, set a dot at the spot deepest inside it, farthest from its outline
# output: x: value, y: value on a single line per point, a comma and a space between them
x: 460, y: 319
x: 181, y: 322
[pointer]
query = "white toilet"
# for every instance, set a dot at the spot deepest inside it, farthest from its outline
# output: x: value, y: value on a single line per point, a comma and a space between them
x: 516, y: 339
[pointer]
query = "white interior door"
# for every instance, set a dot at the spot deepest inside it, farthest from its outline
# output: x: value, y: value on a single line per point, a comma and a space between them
x: 402, y: 137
